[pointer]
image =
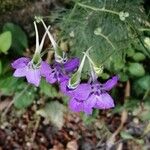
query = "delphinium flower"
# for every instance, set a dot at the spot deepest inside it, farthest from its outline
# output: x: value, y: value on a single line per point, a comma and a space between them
x: 61, y: 71
x: 86, y: 96
x: 33, y: 68
x: 62, y: 66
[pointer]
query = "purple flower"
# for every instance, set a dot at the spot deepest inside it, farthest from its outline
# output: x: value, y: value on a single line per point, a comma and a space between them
x: 90, y: 95
x: 26, y: 68
x: 59, y: 72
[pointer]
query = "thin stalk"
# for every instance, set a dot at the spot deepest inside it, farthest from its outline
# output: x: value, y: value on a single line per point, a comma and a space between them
x: 98, y: 9
x: 37, y: 38
x: 107, y: 39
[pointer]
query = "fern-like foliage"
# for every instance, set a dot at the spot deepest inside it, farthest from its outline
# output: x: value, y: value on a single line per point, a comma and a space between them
x: 109, y: 26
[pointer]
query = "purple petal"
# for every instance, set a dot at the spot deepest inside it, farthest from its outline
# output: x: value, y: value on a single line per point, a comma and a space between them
x: 21, y: 72
x: 104, y: 101
x: 89, y: 104
x: 63, y: 86
x: 71, y: 64
x: 62, y: 77
x: 75, y: 105
x: 51, y: 78
x: 64, y: 89
x: 45, y: 69
x: 110, y: 83
x: 21, y: 62
x: 82, y: 91
x: 33, y: 76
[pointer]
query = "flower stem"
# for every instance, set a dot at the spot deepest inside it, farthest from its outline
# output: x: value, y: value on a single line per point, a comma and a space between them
x: 37, y: 38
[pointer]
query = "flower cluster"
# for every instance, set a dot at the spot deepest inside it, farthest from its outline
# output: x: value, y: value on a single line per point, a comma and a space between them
x: 67, y: 73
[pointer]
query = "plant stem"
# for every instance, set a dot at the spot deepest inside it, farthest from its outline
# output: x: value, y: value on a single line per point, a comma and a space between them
x: 98, y: 9
x: 144, y: 29
x: 107, y: 39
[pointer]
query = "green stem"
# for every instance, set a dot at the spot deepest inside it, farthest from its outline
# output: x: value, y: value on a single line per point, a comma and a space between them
x: 107, y: 39
x: 144, y: 29
x: 146, y: 94
x: 139, y: 38
x: 98, y: 9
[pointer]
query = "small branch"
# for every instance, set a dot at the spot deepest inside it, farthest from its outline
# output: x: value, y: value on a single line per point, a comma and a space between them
x: 98, y: 9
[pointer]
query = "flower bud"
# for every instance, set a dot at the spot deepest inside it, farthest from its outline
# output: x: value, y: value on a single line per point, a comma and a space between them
x: 76, y: 77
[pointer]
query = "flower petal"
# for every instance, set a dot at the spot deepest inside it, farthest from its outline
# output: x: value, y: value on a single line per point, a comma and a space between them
x: 71, y: 64
x: 21, y: 72
x: 75, y: 105
x: 82, y: 91
x: 33, y: 76
x: 62, y: 77
x: 104, y: 101
x: 89, y: 104
x: 51, y: 78
x: 21, y: 62
x: 110, y: 83
x: 45, y: 69
x: 64, y: 89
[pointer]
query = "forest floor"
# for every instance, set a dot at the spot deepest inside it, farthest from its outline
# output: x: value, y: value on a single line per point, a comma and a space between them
x: 24, y: 130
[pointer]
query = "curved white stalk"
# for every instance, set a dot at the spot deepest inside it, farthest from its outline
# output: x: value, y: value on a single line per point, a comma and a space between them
x: 97, y: 70
x: 37, y: 37
x: 76, y: 77
x: 43, y: 39
x: 50, y: 35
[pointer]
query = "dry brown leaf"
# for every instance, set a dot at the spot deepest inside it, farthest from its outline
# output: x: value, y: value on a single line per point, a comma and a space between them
x: 4, y: 104
x: 72, y: 145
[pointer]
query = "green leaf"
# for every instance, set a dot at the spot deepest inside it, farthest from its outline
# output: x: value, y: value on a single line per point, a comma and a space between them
x: 105, y: 75
x: 5, y: 41
x: 130, y: 52
x: 19, y: 38
x: 144, y: 82
x: 123, y: 77
x: 136, y: 69
x: 102, y: 29
x: 0, y: 66
x: 53, y: 112
x: 144, y: 116
x: 139, y: 56
x: 8, y: 85
x: 126, y: 135
x: 24, y: 98
x: 118, y: 64
x: 48, y: 89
